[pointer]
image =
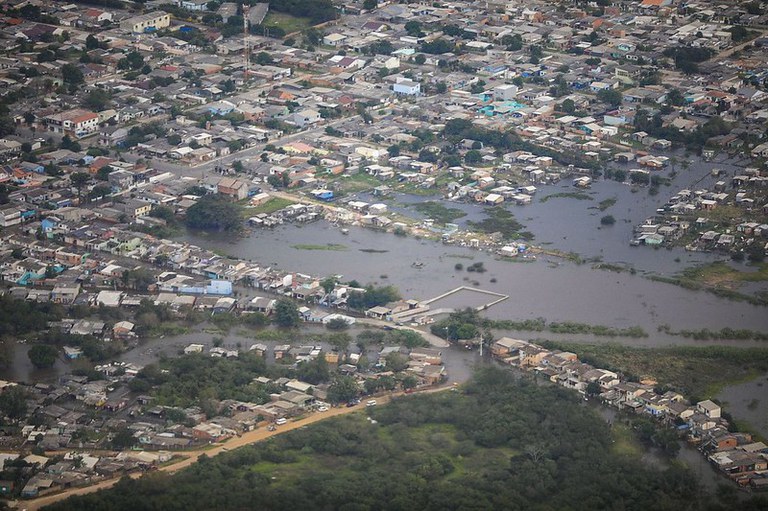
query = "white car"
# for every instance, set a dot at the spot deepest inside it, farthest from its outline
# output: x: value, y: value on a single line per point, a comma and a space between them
x: 371, y: 402
x: 322, y: 409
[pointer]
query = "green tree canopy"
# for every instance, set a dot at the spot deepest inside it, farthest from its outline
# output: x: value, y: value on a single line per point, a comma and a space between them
x: 286, y: 313
x: 42, y: 355
x: 214, y: 213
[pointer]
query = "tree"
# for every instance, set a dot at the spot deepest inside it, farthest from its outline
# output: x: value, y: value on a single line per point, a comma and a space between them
x: 473, y: 156
x: 568, y: 106
x: 13, y: 402
x: 438, y: 46
x: 370, y: 386
x: 91, y: 43
x: 43, y: 355
x: 420, y: 59
x: 328, y: 284
x: 123, y: 439
x: 213, y: 212
x: 132, y: 61
x: 342, y: 390
x: 396, y: 362
x: 675, y: 97
x: 337, y: 324
x: 69, y: 144
x: 286, y: 313
x: 608, y: 220
x: 264, y: 59
x: 512, y: 42
x: 313, y: 371
x: 393, y: 150
x: 441, y: 87
x: 79, y: 180
x: 413, y: 28
x: 610, y: 96
x: 410, y: 382
x: 72, y: 75
x: 593, y: 388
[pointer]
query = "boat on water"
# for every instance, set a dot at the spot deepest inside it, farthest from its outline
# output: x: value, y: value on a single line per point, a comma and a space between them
x: 417, y: 264
x: 345, y: 231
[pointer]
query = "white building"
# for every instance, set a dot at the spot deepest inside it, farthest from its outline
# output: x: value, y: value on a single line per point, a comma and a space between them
x: 407, y: 87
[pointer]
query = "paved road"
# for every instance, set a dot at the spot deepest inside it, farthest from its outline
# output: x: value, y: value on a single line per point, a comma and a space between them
x: 251, y: 437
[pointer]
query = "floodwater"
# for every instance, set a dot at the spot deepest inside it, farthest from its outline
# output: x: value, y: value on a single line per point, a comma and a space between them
x: 748, y: 402
x: 553, y: 289
x: 708, y: 476
x: 21, y: 369
x: 550, y: 288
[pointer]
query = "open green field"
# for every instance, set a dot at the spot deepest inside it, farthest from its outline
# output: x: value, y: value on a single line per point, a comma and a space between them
x: 720, y: 274
x: 354, y: 183
x: 270, y: 206
x: 287, y: 22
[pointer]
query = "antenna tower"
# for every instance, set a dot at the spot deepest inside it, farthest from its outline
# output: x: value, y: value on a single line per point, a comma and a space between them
x: 246, y: 43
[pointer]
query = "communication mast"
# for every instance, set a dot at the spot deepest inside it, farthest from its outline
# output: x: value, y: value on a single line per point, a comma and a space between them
x: 246, y: 43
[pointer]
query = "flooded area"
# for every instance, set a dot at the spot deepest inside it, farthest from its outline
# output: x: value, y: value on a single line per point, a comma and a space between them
x: 549, y: 288
x: 748, y: 402
x: 688, y: 455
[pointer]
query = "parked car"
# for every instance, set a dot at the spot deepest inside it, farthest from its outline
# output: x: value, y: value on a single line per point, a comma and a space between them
x: 371, y: 402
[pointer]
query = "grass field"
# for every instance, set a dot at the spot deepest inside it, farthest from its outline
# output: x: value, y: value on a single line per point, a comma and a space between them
x: 270, y: 206
x: 720, y: 274
x: 287, y: 22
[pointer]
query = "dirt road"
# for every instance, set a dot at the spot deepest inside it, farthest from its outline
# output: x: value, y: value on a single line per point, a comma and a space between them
x: 248, y: 438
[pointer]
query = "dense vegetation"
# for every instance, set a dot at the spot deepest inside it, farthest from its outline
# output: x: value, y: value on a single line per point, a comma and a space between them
x: 194, y: 379
x: 438, y: 212
x: 215, y: 213
x: 502, y: 221
x: 459, y: 129
x: 503, y: 444
x: 19, y: 317
x: 318, y: 11
x: 372, y: 297
x: 467, y: 324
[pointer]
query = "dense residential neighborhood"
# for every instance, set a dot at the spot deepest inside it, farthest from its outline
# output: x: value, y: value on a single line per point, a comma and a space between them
x: 122, y: 124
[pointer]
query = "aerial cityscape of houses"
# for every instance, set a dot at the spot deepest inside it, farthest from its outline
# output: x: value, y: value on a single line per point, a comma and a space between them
x: 119, y: 119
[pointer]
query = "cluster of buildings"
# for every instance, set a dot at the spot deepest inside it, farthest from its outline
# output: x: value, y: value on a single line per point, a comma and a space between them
x: 736, y: 455
x: 84, y: 415
x: 569, y: 83
x: 114, y: 111
x: 694, y: 217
